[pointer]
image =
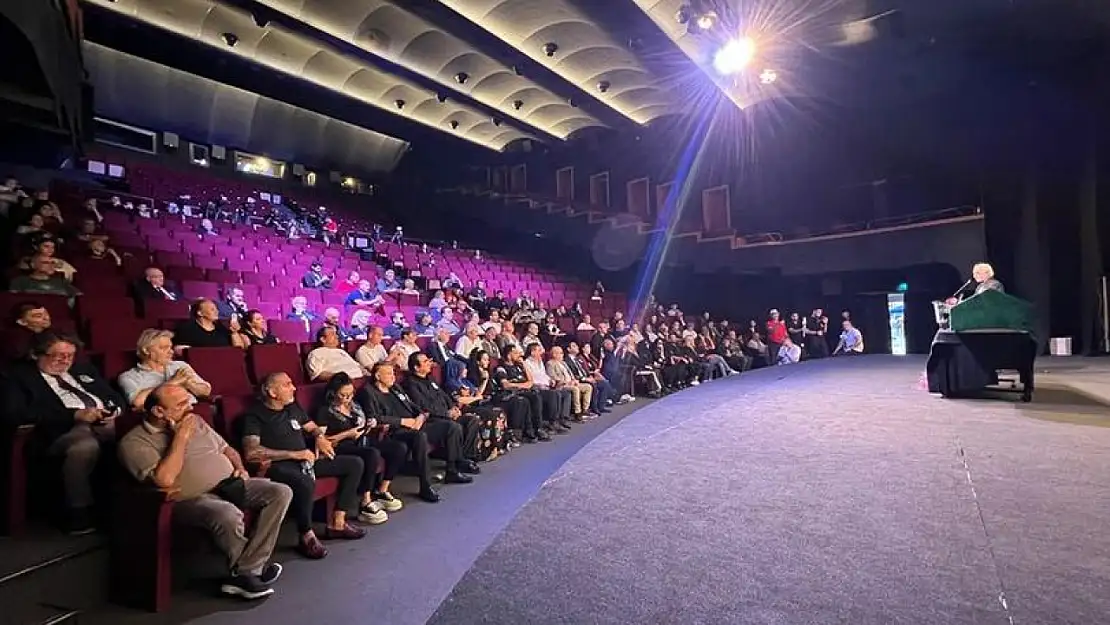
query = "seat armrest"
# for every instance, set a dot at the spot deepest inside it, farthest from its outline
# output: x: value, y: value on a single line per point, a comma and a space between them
x: 379, y: 432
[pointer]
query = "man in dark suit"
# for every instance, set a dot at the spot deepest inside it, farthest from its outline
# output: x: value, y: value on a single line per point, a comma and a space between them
x: 440, y: 349
x: 389, y: 404
x: 429, y: 397
x: 73, y: 410
x: 154, y: 286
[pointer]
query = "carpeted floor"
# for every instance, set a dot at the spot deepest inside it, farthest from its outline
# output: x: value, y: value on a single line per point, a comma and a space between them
x: 830, y: 492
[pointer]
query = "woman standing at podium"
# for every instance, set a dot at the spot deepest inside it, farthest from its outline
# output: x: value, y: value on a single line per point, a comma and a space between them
x: 983, y: 276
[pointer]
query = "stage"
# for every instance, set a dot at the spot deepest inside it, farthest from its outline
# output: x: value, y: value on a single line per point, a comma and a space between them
x: 826, y: 492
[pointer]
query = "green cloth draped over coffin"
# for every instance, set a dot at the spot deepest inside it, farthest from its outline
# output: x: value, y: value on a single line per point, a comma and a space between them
x: 993, y: 311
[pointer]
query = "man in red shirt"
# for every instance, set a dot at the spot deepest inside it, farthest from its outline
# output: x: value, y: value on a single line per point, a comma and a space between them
x: 776, y: 336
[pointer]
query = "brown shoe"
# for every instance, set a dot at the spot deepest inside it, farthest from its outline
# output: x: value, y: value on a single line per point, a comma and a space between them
x: 312, y: 548
x: 349, y: 532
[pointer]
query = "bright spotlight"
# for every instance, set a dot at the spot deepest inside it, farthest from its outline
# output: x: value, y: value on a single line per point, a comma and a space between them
x: 734, y: 56
x: 768, y: 76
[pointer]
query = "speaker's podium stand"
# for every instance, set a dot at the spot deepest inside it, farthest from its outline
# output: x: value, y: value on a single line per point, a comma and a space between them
x: 981, y: 335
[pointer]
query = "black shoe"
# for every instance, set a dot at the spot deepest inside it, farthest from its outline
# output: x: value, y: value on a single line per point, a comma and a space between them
x: 454, y: 477
x: 528, y: 439
x: 559, y: 429
x: 270, y: 573
x: 246, y: 587
x: 469, y: 466
x: 543, y: 436
x: 429, y: 494
x: 568, y: 424
x: 80, y: 522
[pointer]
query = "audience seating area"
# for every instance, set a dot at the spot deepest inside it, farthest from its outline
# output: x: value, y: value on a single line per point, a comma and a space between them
x: 268, y: 268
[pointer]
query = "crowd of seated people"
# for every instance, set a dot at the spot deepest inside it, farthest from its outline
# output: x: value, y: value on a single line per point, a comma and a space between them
x: 463, y: 378
x: 390, y: 402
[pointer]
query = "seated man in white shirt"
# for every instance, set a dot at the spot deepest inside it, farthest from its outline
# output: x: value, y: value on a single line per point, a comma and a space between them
x: 557, y: 398
x: 468, y: 342
x: 789, y: 352
x: 156, y: 366
x: 851, y: 340
x: 329, y: 358
x: 372, y: 351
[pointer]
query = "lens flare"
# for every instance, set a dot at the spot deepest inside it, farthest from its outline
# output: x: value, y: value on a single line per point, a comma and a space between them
x: 734, y: 56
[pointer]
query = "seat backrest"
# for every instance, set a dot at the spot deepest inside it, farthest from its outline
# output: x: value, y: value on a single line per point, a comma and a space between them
x: 115, y: 334
x: 225, y: 368
x: 231, y: 412
x: 263, y: 360
x: 107, y: 306
x: 289, y: 330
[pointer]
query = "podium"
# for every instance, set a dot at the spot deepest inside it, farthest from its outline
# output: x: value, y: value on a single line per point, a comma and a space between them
x: 985, y: 333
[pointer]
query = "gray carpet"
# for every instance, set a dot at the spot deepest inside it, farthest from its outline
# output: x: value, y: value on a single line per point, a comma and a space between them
x: 829, y: 492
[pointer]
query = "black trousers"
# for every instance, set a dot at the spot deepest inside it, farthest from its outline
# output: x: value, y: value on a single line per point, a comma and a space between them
x: 349, y: 470
x: 416, y: 445
x: 471, y: 426
x: 556, y: 404
x: 520, y: 413
x: 370, y: 458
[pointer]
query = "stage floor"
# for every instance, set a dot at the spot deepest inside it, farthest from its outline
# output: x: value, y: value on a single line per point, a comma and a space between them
x: 826, y: 492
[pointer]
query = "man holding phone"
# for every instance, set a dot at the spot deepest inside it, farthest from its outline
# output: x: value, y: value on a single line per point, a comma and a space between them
x: 73, y: 410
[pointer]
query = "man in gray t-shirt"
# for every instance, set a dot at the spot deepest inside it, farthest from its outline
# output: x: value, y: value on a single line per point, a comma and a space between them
x: 176, y: 451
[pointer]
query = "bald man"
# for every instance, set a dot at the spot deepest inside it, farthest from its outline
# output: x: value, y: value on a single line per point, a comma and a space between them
x: 175, y: 450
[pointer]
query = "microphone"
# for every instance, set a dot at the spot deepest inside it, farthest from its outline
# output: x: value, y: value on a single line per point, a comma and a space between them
x: 969, y: 282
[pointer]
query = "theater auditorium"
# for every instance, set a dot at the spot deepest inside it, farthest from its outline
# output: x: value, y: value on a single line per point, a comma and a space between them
x: 554, y: 312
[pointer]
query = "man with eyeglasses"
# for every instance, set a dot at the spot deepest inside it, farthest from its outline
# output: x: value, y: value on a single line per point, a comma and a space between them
x: 73, y: 410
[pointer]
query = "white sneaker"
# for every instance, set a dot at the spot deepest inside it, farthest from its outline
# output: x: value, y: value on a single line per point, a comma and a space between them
x: 388, y: 502
x: 372, y: 514
x: 694, y: 383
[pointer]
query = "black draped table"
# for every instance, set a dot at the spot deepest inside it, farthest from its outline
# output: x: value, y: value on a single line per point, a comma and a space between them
x: 964, y: 363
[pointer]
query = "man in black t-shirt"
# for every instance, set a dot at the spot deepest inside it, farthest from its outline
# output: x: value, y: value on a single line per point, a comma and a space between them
x: 389, y: 404
x: 277, y: 430
x: 430, y: 397
x: 203, y: 329
x: 510, y: 378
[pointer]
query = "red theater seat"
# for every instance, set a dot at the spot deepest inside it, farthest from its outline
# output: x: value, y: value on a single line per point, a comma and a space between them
x: 265, y: 359
x: 225, y: 368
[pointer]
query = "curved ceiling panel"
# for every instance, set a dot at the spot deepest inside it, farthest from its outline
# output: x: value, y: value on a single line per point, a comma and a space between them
x: 408, y: 40
x: 528, y: 25
x: 310, y: 60
x: 145, y: 93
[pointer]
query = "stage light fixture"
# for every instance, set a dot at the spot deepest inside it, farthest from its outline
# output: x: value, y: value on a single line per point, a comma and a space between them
x: 518, y: 104
x: 682, y: 16
x: 550, y: 48
x: 496, y: 121
x: 768, y: 76
x: 230, y: 39
x: 603, y: 86
x: 399, y: 103
x: 442, y: 97
x: 462, y: 77
x: 454, y: 125
x: 707, y: 20
x: 734, y: 56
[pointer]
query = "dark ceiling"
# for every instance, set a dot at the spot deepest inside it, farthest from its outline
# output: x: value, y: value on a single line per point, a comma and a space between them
x: 478, y: 76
